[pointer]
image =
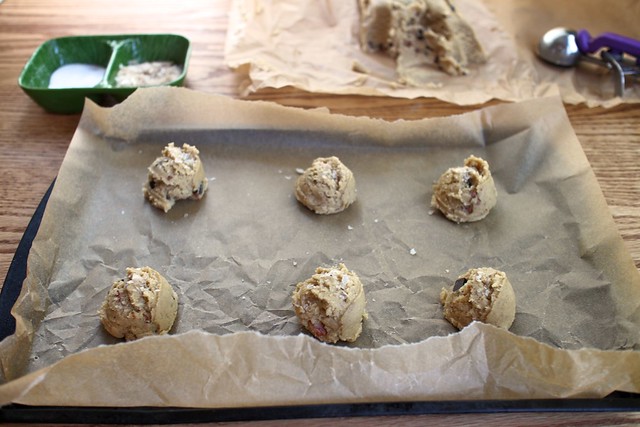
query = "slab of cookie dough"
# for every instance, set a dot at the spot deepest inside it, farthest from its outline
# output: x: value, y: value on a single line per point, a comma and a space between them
x: 466, y: 193
x: 483, y: 294
x: 176, y: 175
x: 326, y: 187
x: 331, y: 304
x: 419, y: 34
x: 142, y: 304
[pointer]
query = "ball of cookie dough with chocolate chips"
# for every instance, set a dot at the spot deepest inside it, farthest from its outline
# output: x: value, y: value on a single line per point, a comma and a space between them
x: 466, y: 193
x: 176, y: 175
x: 326, y: 187
x: 331, y: 304
x: 483, y: 294
x: 141, y: 304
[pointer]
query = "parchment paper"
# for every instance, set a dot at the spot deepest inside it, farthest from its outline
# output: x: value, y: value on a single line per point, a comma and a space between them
x: 235, y: 256
x: 313, y: 45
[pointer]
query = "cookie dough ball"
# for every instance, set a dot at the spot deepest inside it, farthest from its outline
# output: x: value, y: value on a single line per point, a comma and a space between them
x: 142, y: 304
x: 327, y: 186
x: 331, y: 304
x: 176, y: 175
x: 466, y: 193
x: 481, y: 294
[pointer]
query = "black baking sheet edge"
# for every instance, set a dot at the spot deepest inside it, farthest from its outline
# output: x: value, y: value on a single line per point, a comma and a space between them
x: 18, y: 270
x: 616, y: 402
x: 152, y: 415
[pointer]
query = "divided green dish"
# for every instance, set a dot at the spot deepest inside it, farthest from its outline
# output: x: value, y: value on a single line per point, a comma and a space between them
x: 107, y: 51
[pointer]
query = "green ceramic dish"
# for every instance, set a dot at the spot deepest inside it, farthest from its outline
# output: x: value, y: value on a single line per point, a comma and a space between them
x: 107, y: 51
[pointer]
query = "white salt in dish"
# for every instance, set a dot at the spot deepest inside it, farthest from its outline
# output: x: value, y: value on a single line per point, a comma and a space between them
x: 76, y: 75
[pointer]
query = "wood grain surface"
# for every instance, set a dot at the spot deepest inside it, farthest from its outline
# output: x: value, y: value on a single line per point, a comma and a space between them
x: 33, y: 143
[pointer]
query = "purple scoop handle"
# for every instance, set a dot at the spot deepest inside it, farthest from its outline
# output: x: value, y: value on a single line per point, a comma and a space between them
x: 616, y: 42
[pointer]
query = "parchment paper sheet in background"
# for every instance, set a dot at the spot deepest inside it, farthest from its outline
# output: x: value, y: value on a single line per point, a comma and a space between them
x: 235, y: 256
x: 313, y: 45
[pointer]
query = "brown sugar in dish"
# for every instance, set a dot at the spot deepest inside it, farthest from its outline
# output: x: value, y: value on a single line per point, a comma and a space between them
x: 481, y: 294
x: 147, y: 74
x: 331, y: 304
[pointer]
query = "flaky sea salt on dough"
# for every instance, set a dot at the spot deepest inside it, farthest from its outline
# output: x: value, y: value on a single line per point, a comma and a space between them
x: 331, y: 304
x: 482, y: 294
x: 419, y: 34
x: 326, y: 187
x: 142, y: 304
x: 176, y: 175
x: 466, y: 193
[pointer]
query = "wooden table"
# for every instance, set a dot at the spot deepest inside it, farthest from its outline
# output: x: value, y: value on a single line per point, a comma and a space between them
x: 33, y: 142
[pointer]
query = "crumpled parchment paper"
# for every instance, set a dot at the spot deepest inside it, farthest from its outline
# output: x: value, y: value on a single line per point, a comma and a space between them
x: 235, y: 256
x: 313, y: 45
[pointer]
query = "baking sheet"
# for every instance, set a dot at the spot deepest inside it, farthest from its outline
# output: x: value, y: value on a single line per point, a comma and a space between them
x: 235, y: 256
x: 313, y: 45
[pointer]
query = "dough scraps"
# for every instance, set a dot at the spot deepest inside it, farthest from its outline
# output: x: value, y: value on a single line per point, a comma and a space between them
x: 419, y: 34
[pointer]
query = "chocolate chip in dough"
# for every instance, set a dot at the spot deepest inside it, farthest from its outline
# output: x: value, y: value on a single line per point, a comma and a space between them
x: 459, y: 283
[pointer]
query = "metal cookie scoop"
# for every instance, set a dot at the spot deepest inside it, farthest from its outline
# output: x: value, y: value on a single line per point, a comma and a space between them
x: 565, y: 47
